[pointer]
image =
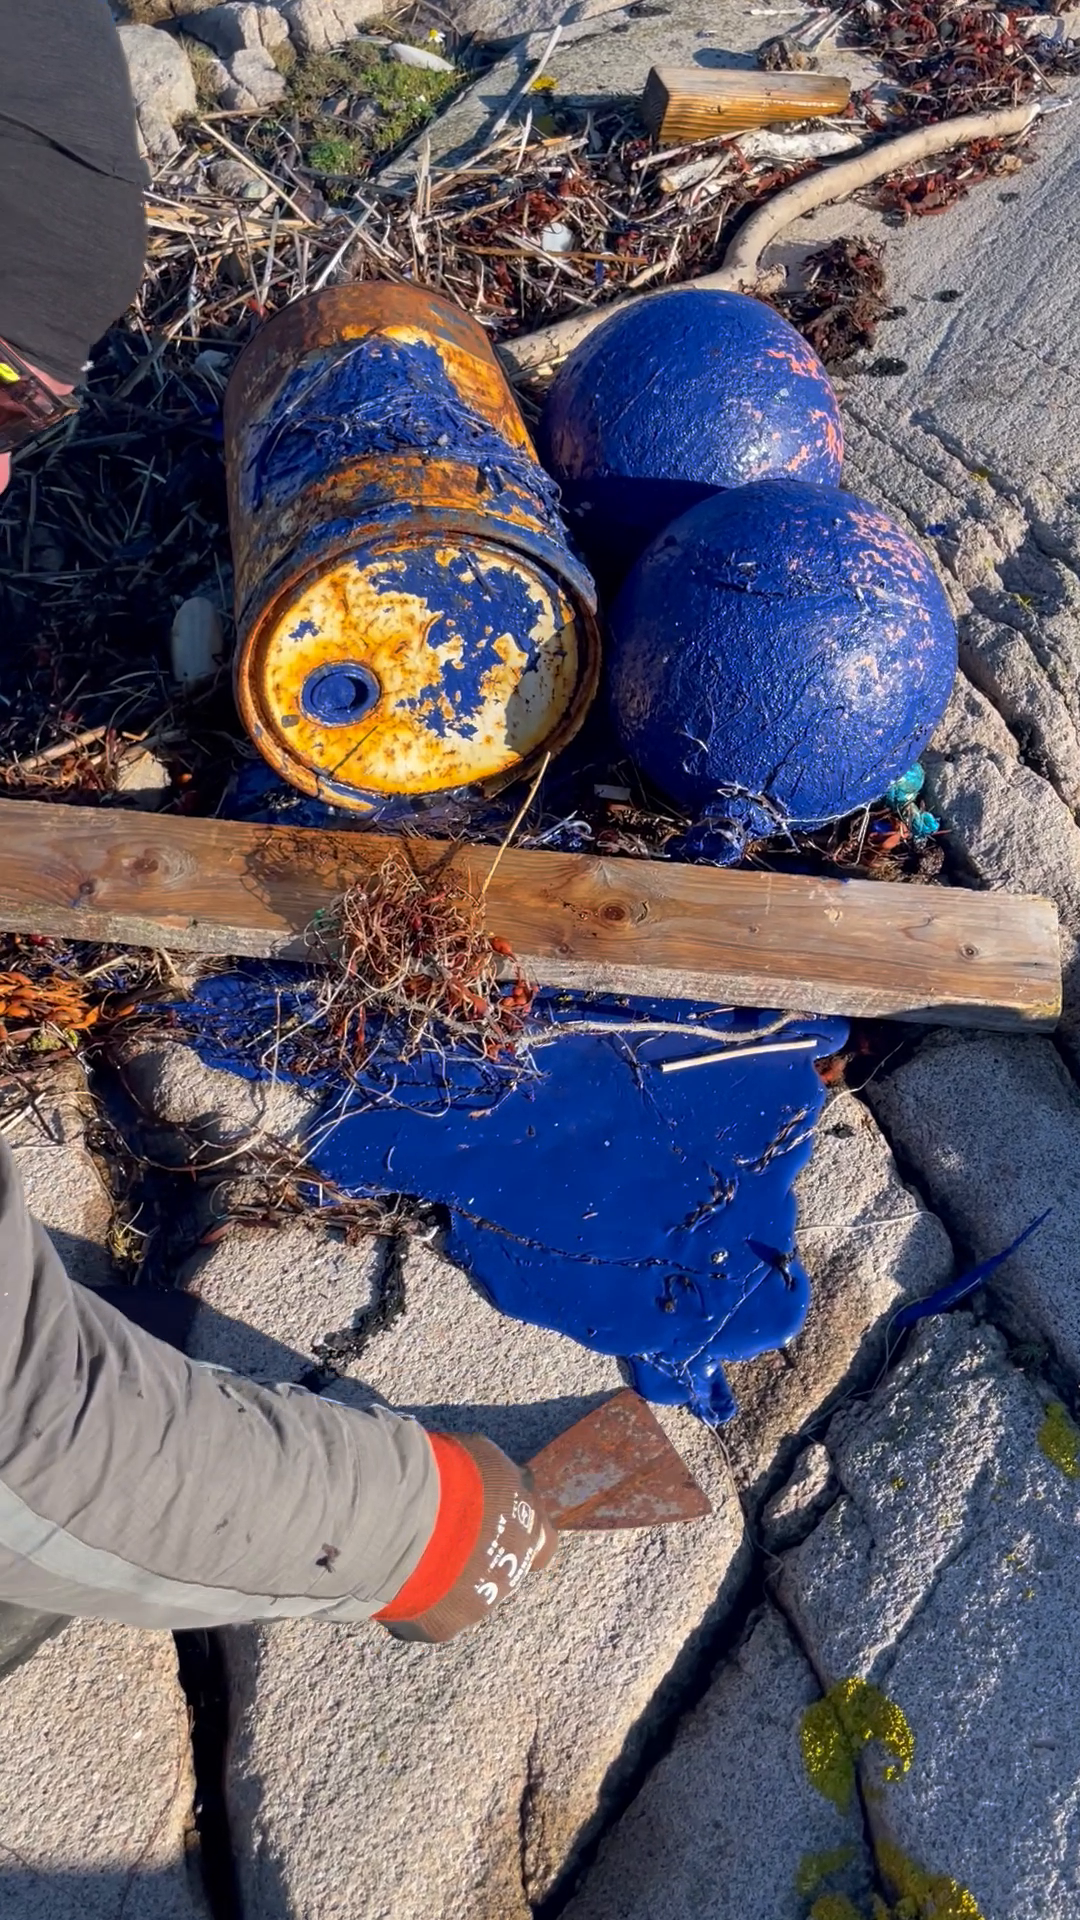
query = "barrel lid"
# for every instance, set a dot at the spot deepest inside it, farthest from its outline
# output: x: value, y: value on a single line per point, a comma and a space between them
x: 403, y: 670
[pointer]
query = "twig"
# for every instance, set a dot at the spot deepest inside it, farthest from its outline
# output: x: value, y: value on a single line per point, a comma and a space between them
x: 336, y: 259
x: 646, y: 1029
x: 516, y: 821
x: 61, y: 748
x: 743, y: 257
x: 253, y: 166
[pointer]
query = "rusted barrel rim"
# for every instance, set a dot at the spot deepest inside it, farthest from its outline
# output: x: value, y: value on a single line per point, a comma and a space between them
x: 321, y: 786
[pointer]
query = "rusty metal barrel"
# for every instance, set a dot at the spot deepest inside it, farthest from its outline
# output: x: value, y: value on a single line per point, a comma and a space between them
x: 412, y: 621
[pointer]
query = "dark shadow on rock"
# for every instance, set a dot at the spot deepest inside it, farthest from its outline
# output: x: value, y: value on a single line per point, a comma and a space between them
x: 168, y: 1314
x: 88, y: 1894
x: 86, y: 1261
x: 724, y: 57
x: 520, y: 1429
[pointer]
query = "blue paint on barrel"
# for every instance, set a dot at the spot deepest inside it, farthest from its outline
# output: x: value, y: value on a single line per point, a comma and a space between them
x: 644, y: 1214
x: 374, y: 396
x: 778, y: 656
x: 671, y: 400
x: 373, y: 425
x: 474, y: 611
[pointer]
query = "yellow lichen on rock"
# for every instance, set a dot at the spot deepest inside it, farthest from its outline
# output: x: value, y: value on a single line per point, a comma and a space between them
x: 921, y: 1895
x: 835, y: 1729
x: 1059, y: 1438
x: 834, y: 1906
x: 815, y: 1868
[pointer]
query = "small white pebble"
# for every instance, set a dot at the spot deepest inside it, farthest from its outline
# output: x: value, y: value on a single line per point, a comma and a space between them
x: 197, y: 642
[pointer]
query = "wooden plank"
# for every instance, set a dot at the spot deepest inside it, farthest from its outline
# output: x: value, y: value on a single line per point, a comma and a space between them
x: 682, y: 104
x: 610, y: 925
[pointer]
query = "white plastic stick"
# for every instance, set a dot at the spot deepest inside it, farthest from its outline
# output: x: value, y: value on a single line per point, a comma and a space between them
x: 736, y: 1053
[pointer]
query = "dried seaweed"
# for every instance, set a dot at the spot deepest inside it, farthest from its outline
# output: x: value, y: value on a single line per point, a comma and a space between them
x: 842, y: 299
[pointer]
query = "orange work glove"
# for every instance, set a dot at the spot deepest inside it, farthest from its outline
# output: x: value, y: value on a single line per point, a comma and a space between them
x: 489, y: 1533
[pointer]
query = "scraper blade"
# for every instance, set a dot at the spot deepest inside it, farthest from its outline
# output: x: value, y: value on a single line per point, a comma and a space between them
x: 616, y: 1468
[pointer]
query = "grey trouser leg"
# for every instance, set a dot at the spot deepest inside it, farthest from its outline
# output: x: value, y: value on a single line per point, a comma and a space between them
x: 136, y: 1485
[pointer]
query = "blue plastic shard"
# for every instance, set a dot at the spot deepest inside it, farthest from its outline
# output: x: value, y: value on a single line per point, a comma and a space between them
x: 965, y: 1283
x: 907, y: 788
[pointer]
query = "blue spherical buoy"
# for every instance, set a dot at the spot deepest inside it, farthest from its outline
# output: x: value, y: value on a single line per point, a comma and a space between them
x: 669, y: 401
x: 779, y: 655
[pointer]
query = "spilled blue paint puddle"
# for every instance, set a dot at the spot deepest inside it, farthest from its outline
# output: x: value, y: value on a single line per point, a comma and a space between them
x: 643, y: 1213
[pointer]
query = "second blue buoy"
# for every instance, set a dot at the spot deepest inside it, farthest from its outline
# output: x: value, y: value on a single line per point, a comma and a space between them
x: 778, y: 656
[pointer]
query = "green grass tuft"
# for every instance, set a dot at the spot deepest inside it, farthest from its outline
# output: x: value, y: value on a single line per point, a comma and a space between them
x: 334, y: 154
x: 406, y: 98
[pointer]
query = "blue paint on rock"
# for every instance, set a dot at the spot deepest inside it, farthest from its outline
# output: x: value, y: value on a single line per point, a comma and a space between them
x: 778, y: 656
x: 671, y: 400
x: 644, y: 1214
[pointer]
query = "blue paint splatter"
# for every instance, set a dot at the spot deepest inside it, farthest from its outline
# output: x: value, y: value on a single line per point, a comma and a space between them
x: 375, y: 396
x: 303, y: 630
x: 477, y: 604
x: 644, y: 1214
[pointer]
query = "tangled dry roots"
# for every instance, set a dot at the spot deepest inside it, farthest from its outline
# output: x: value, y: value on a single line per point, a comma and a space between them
x: 411, y: 948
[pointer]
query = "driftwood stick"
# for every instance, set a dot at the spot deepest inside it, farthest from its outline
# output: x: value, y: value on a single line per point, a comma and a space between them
x: 742, y: 260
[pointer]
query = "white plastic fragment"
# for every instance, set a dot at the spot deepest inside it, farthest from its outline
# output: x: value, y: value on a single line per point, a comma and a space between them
x: 197, y: 642
x: 558, y: 238
x: 419, y: 57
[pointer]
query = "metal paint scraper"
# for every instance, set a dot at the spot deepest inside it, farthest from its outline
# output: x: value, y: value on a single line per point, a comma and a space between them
x: 616, y: 1468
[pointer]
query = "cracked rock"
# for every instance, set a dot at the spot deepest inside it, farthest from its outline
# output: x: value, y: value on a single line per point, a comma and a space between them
x: 1007, y: 826
x: 992, y: 1121
x: 728, y: 1824
x: 177, y: 1094
x: 254, y: 81
x: 317, y: 25
x: 405, y: 1782
x: 96, y: 1781
x: 789, y: 1516
x: 162, y: 87
x: 239, y: 26
x: 868, y: 1244
x: 596, y: 56
x: 945, y: 1576
x: 502, y: 21
x: 310, y: 1281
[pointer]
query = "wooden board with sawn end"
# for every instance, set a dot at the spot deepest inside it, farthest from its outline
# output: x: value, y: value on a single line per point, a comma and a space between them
x: 944, y: 954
